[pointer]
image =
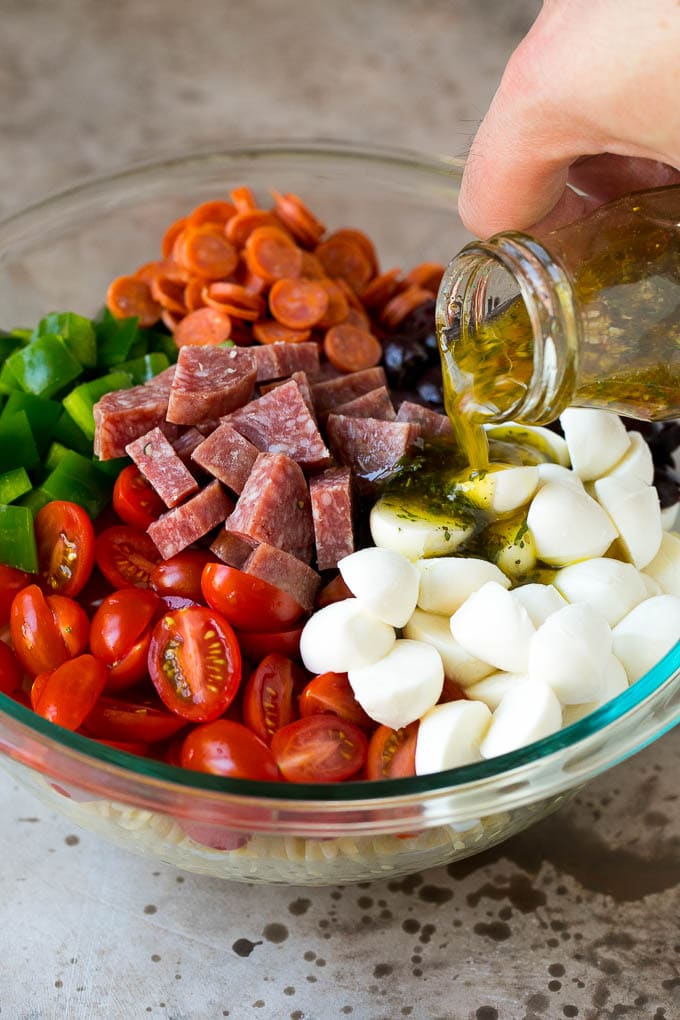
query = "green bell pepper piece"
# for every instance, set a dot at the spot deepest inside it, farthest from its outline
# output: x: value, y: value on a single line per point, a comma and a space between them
x: 142, y: 369
x: 8, y: 381
x: 76, y: 331
x: 42, y: 415
x: 44, y: 366
x: 111, y: 468
x: 17, y: 539
x: 34, y: 500
x: 8, y: 344
x: 55, y: 455
x: 67, y: 432
x: 80, y: 401
x: 115, y: 338
x: 77, y: 479
x: 17, y: 443
x: 13, y: 484
x: 164, y: 343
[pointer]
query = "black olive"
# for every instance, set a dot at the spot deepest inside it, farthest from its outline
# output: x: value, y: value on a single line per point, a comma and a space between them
x: 404, y: 358
x: 420, y: 322
x: 430, y: 390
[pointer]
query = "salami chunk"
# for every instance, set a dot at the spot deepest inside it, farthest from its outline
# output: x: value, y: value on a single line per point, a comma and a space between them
x: 371, y: 448
x: 431, y: 423
x: 285, y: 572
x: 333, y: 392
x: 331, y: 498
x: 274, y: 507
x: 275, y: 361
x: 185, y: 444
x: 156, y: 458
x: 374, y: 404
x: 231, y: 549
x: 192, y: 520
x: 280, y: 422
x: 303, y: 383
x: 125, y: 415
x: 227, y: 456
x: 210, y: 382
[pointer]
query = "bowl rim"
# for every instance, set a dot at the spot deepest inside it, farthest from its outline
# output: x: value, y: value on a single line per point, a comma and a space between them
x: 615, y: 721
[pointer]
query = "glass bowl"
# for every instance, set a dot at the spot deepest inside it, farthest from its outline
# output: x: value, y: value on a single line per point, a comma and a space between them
x: 61, y: 254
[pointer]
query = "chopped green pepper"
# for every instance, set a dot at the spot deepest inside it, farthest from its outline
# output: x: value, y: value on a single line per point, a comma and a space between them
x: 55, y: 455
x: 35, y: 500
x: 44, y: 366
x: 164, y: 343
x: 77, y: 479
x: 142, y: 369
x: 17, y: 444
x: 67, y: 432
x: 17, y: 539
x: 77, y: 333
x: 42, y: 415
x: 80, y: 401
x: 13, y: 484
x: 8, y: 381
x: 115, y: 338
x: 8, y: 344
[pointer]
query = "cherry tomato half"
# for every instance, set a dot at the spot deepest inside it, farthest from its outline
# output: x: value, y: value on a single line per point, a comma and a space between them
x: 451, y: 692
x: 226, y: 748
x: 134, y: 500
x: 65, y: 538
x: 256, y: 645
x: 331, y: 692
x: 10, y: 670
x: 46, y: 630
x: 247, y: 602
x: 195, y: 663
x: 126, y: 556
x: 335, y: 591
x: 132, y: 722
x: 319, y: 749
x: 11, y: 581
x: 181, y: 575
x: 269, y: 696
x: 392, y: 753
x: 70, y: 692
x: 120, y: 635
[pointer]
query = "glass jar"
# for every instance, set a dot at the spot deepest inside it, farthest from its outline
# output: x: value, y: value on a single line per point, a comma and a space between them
x: 587, y: 316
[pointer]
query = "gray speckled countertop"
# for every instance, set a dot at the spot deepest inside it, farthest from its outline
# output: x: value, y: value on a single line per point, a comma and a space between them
x: 578, y: 916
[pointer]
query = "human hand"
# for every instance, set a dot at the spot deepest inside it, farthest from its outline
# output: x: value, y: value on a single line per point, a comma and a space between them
x: 591, y: 97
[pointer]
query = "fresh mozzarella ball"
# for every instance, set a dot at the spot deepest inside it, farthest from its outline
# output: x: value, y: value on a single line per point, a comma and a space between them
x: 528, y: 712
x: 494, y: 627
x: 636, y: 462
x: 449, y: 735
x: 446, y: 581
x: 401, y: 686
x: 570, y: 651
x: 665, y: 567
x: 609, y: 586
x: 501, y: 491
x: 558, y: 473
x: 669, y: 516
x: 397, y: 528
x: 646, y: 634
x: 459, y: 666
x: 512, y: 544
x: 596, y: 440
x: 344, y: 636
x: 636, y: 514
x: 568, y: 525
x: 652, y: 587
x: 545, y: 440
x: 492, y: 689
x: 615, y: 682
x: 383, y: 582
x: 539, y: 600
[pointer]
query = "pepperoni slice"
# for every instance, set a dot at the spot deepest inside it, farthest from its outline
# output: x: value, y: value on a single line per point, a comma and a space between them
x: 378, y: 292
x: 427, y: 275
x: 338, y: 305
x: 169, y: 293
x: 243, y: 199
x: 130, y: 296
x: 233, y: 299
x: 216, y: 212
x: 344, y: 255
x: 271, y: 332
x: 351, y: 349
x: 302, y: 223
x: 240, y: 227
x: 402, y: 304
x: 205, y: 326
x: 205, y: 251
x: 170, y: 236
x: 297, y: 303
x: 272, y: 255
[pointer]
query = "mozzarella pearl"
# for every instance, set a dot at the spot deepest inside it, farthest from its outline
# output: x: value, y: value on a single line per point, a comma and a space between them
x: 558, y: 473
x: 636, y: 462
x: 539, y: 600
x: 501, y: 491
x: 459, y: 666
x: 492, y: 689
x: 646, y: 634
x: 384, y: 582
x: 397, y: 528
x: 344, y: 636
x: 615, y: 682
x: 528, y: 712
x: 609, y: 586
x: 568, y: 525
x: 636, y: 514
x: 545, y: 440
x: 450, y: 735
x: 495, y: 627
x: 596, y: 440
x: 669, y: 516
x: 513, y: 546
x: 665, y: 567
x: 401, y: 686
x: 446, y: 582
x: 570, y: 651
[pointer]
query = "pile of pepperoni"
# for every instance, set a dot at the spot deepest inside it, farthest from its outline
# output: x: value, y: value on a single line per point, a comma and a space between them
x: 231, y: 270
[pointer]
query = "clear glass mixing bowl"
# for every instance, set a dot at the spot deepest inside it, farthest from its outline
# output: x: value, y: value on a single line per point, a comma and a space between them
x: 61, y: 254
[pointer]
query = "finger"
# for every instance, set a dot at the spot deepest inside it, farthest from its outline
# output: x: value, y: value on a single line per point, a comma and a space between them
x: 610, y: 176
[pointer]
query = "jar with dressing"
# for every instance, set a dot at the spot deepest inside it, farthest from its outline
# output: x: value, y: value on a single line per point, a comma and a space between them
x: 589, y: 315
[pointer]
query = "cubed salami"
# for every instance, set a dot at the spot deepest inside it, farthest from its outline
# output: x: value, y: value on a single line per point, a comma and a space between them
x: 431, y: 423
x: 274, y: 507
x: 228, y: 456
x: 371, y: 448
x: 280, y: 422
x: 161, y: 466
x: 125, y: 415
x: 302, y: 380
x: 209, y: 382
x: 185, y: 444
x: 275, y: 361
x: 330, y: 394
x: 374, y: 404
x: 192, y: 520
x: 331, y: 498
x: 231, y: 549
x: 285, y: 572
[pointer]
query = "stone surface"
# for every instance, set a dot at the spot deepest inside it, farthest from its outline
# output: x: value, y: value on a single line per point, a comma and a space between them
x: 576, y: 917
